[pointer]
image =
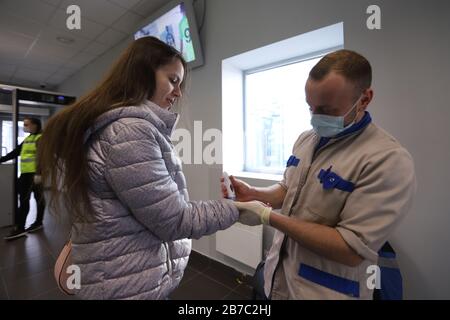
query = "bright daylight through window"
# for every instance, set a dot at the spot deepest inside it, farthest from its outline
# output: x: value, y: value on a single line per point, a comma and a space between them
x: 275, y: 114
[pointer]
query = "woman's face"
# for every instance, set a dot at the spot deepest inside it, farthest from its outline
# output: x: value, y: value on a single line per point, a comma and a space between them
x: 168, y: 81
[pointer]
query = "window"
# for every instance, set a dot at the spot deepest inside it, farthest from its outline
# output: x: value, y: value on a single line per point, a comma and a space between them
x: 263, y: 101
x: 275, y: 114
x: 7, y: 132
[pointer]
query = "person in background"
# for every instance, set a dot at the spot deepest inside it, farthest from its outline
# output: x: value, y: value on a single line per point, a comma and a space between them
x: 346, y: 187
x: 29, y: 180
x: 110, y: 159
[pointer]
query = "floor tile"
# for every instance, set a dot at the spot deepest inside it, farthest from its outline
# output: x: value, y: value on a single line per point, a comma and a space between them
x: 30, y: 287
x: 198, y: 262
x: 235, y: 296
x: 189, y: 274
x: 223, y: 274
x: 18, y: 251
x: 3, y: 293
x: 244, y: 290
x: 201, y: 288
x: 28, y: 268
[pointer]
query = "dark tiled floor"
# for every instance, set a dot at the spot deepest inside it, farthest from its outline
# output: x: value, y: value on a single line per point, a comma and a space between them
x: 26, y: 264
x: 206, y: 279
x: 26, y: 270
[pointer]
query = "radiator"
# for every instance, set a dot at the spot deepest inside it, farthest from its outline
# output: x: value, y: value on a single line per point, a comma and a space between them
x: 242, y: 243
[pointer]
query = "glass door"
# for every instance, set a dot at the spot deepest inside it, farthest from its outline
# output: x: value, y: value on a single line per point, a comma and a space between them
x: 8, y: 134
x: 15, y: 105
x: 7, y: 142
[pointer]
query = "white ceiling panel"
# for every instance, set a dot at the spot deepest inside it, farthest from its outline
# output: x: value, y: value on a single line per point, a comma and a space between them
x: 30, y: 52
x: 49, y: 37
x: 96, y: 48
x: 79, y: 60
x: 146, y: 7
x: 18, y: 24
x: 31, y: 74
x: 25, y: 83
x: 64, y: 72
x: 13, y: 43
x: 10, y: 58
x: 37, y: 58
x: 7, y: 68
x: 41, y: 48
x: 89, y: 29
x: 55, y: 80
x: 6, y: 71
x: 128, y: 4
x: 42, y: 66
x: 101, y: 11
x: 128, y: 23
x: 111, y: 37
x: 55, y: 3
x: 33, y: 10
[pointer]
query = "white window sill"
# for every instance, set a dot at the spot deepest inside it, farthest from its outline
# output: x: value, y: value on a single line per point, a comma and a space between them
x: 259, y: 176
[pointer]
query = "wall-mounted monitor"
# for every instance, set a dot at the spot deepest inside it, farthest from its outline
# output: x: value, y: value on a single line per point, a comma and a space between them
x: 175, y: 25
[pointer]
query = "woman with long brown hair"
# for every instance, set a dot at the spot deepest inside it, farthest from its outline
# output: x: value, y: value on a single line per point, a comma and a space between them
x: 109, y: 159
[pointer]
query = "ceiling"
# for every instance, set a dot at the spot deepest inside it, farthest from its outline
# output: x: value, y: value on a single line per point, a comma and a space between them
x: 31, y: 55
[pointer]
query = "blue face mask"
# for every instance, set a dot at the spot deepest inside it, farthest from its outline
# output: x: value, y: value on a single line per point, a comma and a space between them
x: 329, y: 126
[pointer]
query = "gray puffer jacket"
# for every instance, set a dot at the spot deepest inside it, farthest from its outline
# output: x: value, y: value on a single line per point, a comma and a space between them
x: 139, y: 245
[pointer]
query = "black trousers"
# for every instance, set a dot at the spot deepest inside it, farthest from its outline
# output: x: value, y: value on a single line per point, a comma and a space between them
x: 25, y: 186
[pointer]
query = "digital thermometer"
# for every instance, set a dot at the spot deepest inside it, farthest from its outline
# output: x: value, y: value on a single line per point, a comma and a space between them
x: 229, y: 186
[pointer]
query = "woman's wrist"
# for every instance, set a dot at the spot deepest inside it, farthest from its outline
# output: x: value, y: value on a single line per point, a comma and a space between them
x: 256, y: 194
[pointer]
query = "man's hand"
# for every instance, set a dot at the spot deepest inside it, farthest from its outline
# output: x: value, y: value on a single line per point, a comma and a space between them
x: 253, y: 213
x: 37, y: 179
x: 244, y: 192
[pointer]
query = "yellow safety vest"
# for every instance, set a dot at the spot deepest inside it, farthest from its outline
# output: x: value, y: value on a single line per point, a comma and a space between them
x: 28, y: 154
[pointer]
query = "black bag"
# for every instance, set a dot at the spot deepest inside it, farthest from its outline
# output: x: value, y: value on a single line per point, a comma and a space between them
x: 258, y: 283
x: 391, y: 277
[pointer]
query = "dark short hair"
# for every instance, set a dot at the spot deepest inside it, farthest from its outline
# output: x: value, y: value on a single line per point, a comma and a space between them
x: 351, y: 65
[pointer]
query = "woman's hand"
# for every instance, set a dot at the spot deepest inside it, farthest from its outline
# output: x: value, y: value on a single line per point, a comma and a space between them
x: 244, y: 192
x: 37, y: 179
x: 253, y: 213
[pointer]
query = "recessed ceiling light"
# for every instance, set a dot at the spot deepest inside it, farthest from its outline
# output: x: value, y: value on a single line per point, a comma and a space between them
x: 65, y: 40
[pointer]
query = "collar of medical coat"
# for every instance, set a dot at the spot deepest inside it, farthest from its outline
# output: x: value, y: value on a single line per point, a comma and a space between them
x: 164, y: 120
x: 360, y: 125
x: 364, y: 122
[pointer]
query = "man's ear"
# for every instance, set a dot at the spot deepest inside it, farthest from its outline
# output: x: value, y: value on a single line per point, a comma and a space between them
x: 367, y: 98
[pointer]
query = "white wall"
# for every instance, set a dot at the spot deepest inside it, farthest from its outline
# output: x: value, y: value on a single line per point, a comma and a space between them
x: 411, y: 82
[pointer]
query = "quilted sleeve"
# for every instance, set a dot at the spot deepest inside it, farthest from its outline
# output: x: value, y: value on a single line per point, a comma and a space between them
x: 136, y: 171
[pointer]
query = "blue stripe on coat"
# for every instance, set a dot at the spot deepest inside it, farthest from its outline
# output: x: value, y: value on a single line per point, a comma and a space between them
x: 330, y: 281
